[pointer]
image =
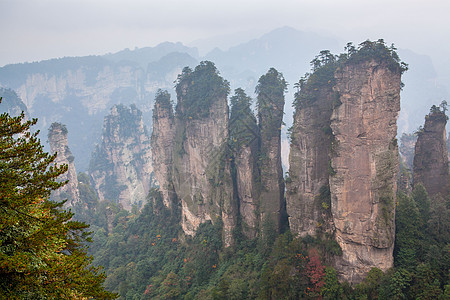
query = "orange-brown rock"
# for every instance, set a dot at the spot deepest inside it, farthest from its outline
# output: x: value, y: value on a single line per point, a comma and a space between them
x: 431, y: 154
x: 307, y: 195
x: 365, y: 164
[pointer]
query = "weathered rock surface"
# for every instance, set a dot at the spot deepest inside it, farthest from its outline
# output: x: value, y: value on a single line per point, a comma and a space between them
x: 431, y: 154
x: 244, y: 137
x: 270, y: 90
x: 202, y: 173
x: 57, y: 137
x: 309, y: 162
x: 365, y: 164
x: 162, y: 142
x: 121, y: 166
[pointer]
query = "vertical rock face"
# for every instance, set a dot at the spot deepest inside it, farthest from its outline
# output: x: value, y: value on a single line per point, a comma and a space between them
x: 57, y: 137
x: 201, y: 164
x: 309, y: 159
x: 121, y: 165
x: 244, y: 136
x: 162, y: 142
x: 365, y: 164
x: 431, y: 154
x: 270, y: 90
x: 344, y: 155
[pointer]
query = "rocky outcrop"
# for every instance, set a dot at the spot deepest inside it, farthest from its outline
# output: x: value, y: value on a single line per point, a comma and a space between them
x: 121, y: 166
x: 270, y: 90
x: 244, y: 137
x: 431, y: 154
x: 57, y: 137
x: 344, y: 155
x: 307, y: 196
x: 162, y: 142
x: 365, y: 165
x: 201, y: 158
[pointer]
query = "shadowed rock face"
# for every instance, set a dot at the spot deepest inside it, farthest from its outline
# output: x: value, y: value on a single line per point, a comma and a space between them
x: 201, y: 164
x: 162, y: 141
x: 121, y: 167
x: 270, y: 90
x: 365, y: 164
x: 309, y: 162
x: 57, y: 137
x: 244, y: 136
x: 431, y: 155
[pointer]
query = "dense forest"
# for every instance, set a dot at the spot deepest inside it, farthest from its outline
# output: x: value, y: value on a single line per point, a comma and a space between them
x: 146, y: 253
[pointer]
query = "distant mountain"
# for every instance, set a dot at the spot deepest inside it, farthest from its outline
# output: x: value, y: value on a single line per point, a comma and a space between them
x: 145, y: 55
x: 79, y: 91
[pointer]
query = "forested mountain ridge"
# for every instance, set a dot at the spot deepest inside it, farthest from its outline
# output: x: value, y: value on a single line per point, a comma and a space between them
x: 221, y: 214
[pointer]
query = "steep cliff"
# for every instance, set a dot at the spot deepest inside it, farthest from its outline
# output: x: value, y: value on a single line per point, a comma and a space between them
x: 201, y: 158
x: 79, y: 91
x: 162, y: 142
x: 121, y: 166
x: 270, y: 101
x: 308, y: 189
x: 344, y: 155
x: 431, y: 154
x: 244, y: 137
x: 365, y: 162
x: 57, y: 137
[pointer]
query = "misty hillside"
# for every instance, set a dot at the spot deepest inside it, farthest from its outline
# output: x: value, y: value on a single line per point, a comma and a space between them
x: 81, y: 90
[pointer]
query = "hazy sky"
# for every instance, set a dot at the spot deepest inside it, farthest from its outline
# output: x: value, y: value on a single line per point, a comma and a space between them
x: 33, y: 30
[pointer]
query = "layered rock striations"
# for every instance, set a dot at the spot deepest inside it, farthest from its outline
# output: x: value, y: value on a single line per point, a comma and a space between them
x: 244, y: 137
x: 121, y: 166
x: 431, y: 154
x: 354, y: 99
x: 307, y: 187
x: 201, y: 158
x: 270, y: 101
x: 57, y: 137
x: 363, y: 183
x: 162, y: 142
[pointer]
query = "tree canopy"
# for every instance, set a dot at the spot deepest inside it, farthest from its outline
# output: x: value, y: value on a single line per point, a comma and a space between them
x: 42, y: 255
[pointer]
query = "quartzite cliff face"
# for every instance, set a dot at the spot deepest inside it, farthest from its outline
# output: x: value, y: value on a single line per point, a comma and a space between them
x: 363, y: 186
x: 431, y: 154
x: 121, y: 167
x: 57, y: 137
x: 344, y: 156
x: 201, y: 164
x: 307, y: 195
x: 270, y: 90
x: 244, y: 138
x: 162, y: 142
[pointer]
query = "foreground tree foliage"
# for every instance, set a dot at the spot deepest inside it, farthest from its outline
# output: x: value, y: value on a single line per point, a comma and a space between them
x: 41, y: 249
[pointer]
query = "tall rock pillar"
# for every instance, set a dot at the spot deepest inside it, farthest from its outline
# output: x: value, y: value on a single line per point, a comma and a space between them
x: 162, y: 142
x: 57, y: 137
x: 270, y: 101
x: 201, y: 158
x: 308, y: 189
x: 431, y: 154
x: 365, y: 162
